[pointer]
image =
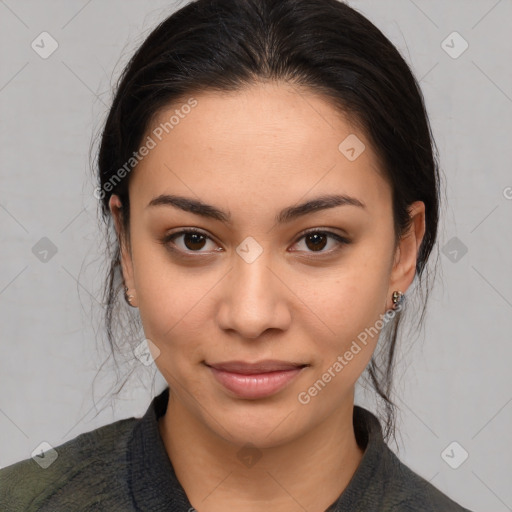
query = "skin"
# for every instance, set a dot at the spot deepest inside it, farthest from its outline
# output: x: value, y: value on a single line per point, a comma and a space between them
x: 253, y: 153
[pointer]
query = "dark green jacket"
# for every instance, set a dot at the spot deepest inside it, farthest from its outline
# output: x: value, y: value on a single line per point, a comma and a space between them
x: 124, y: 467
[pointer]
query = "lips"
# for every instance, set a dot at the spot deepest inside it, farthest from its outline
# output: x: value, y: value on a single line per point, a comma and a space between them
x: 255, y: 380
x: 266, y: 366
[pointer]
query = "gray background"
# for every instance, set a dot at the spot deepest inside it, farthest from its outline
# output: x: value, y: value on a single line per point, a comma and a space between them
x: 454, y: 380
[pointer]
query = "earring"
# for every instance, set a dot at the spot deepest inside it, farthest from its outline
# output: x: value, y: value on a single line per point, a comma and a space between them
x: 398, y: 297
x: 128, y: 298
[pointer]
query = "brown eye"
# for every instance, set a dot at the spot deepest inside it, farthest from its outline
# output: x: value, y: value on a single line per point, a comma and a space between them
x: 188, y: 241
x: 193, y: 241
x: 317, y: 240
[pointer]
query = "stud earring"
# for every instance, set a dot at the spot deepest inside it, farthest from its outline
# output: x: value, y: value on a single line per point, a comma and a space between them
x: 128, y: 298
x: 398, y: 297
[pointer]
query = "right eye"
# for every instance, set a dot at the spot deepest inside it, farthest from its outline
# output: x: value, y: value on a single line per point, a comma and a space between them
x: 192, y: 241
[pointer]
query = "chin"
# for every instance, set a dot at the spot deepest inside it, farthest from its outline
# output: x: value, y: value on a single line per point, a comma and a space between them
x: 263, y: 423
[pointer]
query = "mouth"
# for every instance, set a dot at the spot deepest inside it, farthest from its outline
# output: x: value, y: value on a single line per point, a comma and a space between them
x: 255, y: 380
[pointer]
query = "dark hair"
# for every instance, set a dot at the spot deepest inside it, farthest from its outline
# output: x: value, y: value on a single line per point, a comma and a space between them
x: 321, y: 46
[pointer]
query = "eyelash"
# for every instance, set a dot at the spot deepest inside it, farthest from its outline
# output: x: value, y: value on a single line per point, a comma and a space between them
x: 166, y: 240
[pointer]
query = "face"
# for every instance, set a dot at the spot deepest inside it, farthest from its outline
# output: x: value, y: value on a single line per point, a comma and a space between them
x: 253, y: 283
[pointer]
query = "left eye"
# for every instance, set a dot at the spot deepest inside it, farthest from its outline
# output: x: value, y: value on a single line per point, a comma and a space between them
x: 317, y: 240
x: 194, y: 240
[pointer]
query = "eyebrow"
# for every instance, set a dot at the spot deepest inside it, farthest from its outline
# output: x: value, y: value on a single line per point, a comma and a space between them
x: 286, y: 215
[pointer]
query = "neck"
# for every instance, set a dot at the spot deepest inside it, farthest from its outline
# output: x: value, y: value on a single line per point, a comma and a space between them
x: 307, y: 473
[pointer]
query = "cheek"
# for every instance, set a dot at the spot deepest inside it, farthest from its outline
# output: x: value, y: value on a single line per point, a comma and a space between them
x: 349, y: 310
x: 172, y: 302
x: 157, y: 288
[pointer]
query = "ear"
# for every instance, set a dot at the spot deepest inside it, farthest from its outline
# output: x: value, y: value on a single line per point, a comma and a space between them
x: 404, y: 265
x: 116, y: 209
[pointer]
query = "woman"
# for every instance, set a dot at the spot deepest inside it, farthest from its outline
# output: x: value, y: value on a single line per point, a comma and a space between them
x: 269, y: 171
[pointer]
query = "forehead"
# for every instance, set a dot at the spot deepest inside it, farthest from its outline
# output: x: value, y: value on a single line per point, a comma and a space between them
x: 261, y: 142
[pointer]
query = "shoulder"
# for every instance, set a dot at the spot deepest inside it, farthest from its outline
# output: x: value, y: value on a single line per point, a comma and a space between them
x: 85, y: 467
x: 410, y: 492
x: 383, y: 482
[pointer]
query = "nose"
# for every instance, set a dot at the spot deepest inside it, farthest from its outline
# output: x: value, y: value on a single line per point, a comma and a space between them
x: 254, y: 299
